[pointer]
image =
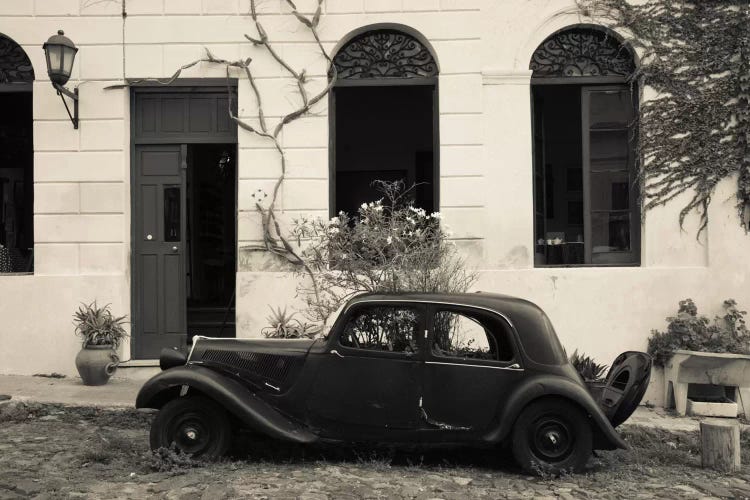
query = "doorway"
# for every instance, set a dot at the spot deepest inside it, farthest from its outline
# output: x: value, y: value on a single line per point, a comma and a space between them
x: 211, y: 248
x: 184, y: 206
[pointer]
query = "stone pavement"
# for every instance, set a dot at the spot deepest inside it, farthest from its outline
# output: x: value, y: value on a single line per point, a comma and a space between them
x: 121, y: 392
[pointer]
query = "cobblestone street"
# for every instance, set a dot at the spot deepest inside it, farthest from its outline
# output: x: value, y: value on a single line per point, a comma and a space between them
x: 51, y: 451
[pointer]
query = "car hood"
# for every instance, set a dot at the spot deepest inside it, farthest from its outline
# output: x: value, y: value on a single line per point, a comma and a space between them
x: 267, y: 346
x: 272, y: 364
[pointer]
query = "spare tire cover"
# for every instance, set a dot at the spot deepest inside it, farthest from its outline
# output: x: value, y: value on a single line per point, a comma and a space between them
x: 625, y: 386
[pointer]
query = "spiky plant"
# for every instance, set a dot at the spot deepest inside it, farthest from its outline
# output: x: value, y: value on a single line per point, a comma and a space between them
x: 283, y: 325
x: 98, y: 326
x: 590, y: 370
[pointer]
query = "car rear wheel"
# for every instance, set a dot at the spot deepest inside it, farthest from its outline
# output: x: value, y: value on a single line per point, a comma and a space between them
x: 552, y: 436
x: 195, y: 425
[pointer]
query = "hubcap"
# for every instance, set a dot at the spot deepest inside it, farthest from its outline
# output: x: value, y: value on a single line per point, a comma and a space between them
x: 190, y: 433
x: 551, y: 439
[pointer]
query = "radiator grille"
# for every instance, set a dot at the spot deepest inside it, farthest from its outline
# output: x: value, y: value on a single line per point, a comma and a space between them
x: 270, y: 366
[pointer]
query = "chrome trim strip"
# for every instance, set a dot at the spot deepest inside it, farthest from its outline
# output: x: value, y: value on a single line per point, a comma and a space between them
x: 474, y: 366
x: 196, y: 338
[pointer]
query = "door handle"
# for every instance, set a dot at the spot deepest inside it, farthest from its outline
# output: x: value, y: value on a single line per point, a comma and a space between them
x: 174, y: 248
x: 334, y: 351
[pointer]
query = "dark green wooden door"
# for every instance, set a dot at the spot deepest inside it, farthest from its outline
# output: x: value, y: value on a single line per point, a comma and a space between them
x: 160, y: 233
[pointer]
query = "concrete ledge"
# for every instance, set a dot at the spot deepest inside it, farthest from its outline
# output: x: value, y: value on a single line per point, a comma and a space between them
x: 119, y: 392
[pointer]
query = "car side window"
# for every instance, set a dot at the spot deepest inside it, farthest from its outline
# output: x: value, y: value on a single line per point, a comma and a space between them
x: 383, y: 328
x: 466, y: 336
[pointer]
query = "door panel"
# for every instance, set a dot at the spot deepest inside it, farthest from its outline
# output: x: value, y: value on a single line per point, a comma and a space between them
x: 471, y: 367
x: 364, y: 392
x: 374, y: 387
x: 465, y: 396
x: 159, y: 273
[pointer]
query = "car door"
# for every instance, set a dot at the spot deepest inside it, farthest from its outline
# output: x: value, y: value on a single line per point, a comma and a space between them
x: 369, y: 379
x: 472, y: 362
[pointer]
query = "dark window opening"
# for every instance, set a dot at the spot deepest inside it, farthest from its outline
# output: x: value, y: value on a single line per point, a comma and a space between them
x: 384, y: 133
x: 470, y: 336
x: 586, y: 204
x: 211, y: 239
x: 390, y: 329
x: 16, y: 183
x: 586, y: 201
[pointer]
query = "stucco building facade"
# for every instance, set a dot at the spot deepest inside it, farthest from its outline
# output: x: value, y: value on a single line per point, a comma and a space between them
x: 90, y: 203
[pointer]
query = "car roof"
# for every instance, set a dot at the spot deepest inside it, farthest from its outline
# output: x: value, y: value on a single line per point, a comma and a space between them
x: 534, y: 329
x: 506, y: 304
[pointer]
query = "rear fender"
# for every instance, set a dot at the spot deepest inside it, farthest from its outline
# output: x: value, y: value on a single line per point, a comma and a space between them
x: 552, y: 386
x: 229, y: 393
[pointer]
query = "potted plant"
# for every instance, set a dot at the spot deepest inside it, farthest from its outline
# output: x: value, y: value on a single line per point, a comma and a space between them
x: 707, y: 353
x: 102, y: 333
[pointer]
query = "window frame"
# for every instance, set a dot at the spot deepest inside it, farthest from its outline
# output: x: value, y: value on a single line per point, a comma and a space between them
x: 631, y: 257
x: 592, y: 84
x: 471, y: 313
x: 355, y: 309
x: 25, y: 88
x: 430, y: 81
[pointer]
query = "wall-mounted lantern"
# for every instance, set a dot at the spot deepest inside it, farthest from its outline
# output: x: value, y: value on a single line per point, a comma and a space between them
x: 60, y: 52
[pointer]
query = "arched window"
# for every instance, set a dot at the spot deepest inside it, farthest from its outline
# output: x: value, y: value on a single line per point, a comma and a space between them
x: 16, y: 159
x: 586, y: 209
x: 383, y: 117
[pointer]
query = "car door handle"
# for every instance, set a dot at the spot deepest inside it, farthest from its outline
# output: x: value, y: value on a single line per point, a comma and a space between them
x: 334, y: 351
x: 515, y: 366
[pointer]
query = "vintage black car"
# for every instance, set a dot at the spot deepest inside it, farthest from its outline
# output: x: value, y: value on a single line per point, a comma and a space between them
x: 467, y: 369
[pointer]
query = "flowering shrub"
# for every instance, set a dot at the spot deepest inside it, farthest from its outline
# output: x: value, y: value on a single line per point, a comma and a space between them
x: 692, y: 332
x: 389, y: 246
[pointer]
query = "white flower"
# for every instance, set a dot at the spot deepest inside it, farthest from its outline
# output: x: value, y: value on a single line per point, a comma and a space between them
x: 437, y: 215
x: 363, y: 206
x: 412, y: 221
x: 389, y: 240
x: 378, y: 208
x: 335, y: 221
x: 344, y: 255
x: 365, y: 220
x: 333, y: 230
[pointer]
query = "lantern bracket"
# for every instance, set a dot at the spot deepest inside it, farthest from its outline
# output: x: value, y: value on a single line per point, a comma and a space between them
x: 62, y: 91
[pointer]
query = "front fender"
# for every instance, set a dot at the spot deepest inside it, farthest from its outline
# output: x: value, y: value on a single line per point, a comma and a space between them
x: 555, y: 386
x: 229, y: 393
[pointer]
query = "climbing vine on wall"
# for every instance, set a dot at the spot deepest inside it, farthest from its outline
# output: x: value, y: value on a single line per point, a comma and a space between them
x: 274, y: 239
x: 694, y: 76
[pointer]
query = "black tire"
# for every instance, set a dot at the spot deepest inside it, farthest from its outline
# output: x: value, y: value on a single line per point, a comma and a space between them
x: 552, y: 436
x: 195, y: 425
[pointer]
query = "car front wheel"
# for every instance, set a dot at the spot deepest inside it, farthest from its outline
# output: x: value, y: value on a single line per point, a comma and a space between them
x: 552, y: 436
x: 195, y: 425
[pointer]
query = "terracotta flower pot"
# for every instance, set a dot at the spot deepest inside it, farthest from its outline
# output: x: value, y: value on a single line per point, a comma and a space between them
x: 96, y: 363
